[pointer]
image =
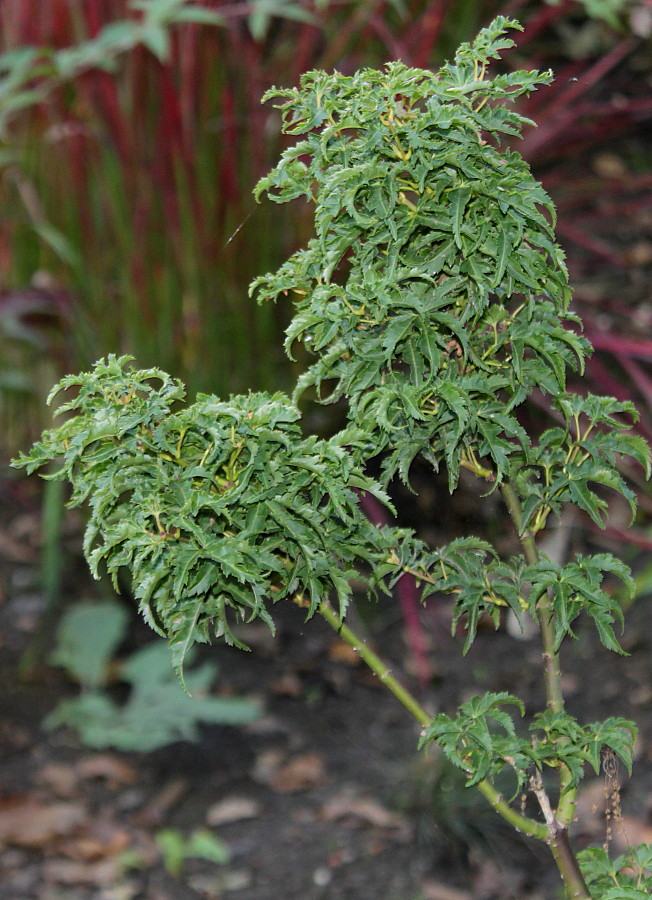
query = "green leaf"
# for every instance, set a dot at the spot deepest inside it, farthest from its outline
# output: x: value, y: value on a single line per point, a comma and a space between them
x: 157, y: 41
x: 628, y: 876
x: 87, y: 638
x: 619, y: 735
x: 202, y: 844
x: 157, y: 711
x: 580, y: 494
x: 459, y: 197
x: 503, y: 253
x: 183, y: 638
x: 264, y: 10
x: 200, y: 16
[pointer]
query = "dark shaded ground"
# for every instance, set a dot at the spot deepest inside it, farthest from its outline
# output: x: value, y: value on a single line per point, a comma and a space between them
x: 324, y: 797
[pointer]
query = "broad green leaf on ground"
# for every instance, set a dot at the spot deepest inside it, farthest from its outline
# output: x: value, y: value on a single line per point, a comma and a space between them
x: 157, y: 712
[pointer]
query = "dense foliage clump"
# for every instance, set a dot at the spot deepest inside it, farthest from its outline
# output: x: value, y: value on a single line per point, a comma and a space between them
x: 217, y: 507
x: 433, y: 259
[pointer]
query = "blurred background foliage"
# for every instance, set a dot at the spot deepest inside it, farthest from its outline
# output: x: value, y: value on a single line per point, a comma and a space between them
x: 132, y: 134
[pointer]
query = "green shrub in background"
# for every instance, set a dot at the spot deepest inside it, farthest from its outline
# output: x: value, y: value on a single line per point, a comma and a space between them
x: 434, y: 301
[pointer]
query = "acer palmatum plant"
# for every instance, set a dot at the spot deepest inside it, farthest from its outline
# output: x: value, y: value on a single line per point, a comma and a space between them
x: 434, y: 300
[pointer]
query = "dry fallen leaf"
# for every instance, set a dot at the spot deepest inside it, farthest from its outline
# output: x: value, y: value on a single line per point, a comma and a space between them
x: 60, y: 779
x: 364, y: 809
x: 433, y: 890
x: 232, y: 809
x: 158, y: 807
x: 67, y: 871
x: 28, y: 822
x: 340, y: 651
x: 127, y: 889
x: 267, y: 764
x: 287, y: 685
x: 299, y: 774
x: 216, y: 884
x: 109, y: 768
x: 100, y: 840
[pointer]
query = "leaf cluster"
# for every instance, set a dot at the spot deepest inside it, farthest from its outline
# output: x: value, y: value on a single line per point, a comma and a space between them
x: 628, y: 877
x: 569, y: 462
x: 482, y: 584
x: 217, y: 509
x: 482, y: 741
x: 485, y: 585
x: 576, y: 587
x: 482, y: 738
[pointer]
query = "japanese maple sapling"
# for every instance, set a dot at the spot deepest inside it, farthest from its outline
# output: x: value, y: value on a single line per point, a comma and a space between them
x: 434, y: 300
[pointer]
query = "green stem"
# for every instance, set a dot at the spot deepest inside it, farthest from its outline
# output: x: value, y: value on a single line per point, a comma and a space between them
x: 551, y: 668
x: 376, y: 664
x: 551, y: 665
x: 559, y: 822
x: 514, y: 508
x: 521, y: 823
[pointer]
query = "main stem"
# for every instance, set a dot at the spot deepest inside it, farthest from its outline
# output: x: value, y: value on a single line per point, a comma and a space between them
x: 559, y: 822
